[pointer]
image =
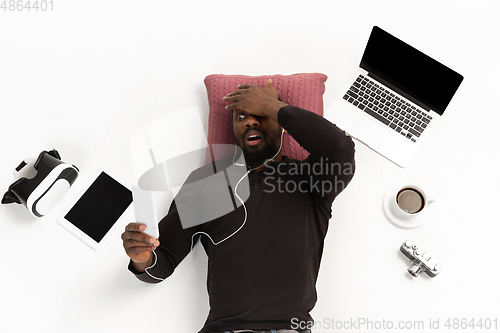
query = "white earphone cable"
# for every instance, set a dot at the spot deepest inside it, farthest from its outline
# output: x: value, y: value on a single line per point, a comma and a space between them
x: 239, y: 198
x: 244, y: 209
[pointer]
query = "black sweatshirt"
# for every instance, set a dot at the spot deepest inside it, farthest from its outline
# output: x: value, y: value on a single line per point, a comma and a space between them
x: 265, y: 275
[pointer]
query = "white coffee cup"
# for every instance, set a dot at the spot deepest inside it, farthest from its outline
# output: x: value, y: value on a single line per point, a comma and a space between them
x: 410, y: 200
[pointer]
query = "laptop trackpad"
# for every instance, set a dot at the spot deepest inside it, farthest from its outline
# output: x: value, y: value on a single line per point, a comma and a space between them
x: 369, y: 131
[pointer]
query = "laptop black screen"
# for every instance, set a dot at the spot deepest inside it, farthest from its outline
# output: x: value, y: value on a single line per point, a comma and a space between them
x: 409, y: 72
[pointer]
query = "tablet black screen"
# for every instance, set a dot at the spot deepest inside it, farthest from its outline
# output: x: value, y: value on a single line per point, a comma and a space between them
x: 100, y: 207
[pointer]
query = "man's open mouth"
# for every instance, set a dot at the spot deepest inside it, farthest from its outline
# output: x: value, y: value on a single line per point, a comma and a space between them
x: 253, y: 138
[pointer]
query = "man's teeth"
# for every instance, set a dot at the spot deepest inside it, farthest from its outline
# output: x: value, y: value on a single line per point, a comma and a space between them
x: 253, y: 137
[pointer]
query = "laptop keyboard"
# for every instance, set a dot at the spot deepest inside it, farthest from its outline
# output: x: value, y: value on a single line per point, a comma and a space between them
x: 388, y: 108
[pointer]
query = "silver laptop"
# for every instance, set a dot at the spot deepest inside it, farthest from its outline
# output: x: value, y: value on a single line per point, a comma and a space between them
x: 396, y: 99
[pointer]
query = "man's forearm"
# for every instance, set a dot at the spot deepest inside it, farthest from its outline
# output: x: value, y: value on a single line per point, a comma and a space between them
x: 316, y: 134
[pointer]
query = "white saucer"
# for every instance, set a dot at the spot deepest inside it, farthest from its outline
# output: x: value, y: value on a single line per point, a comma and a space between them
x: 409, y: 222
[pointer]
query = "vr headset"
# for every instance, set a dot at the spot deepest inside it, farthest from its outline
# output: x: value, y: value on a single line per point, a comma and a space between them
x: 39, y: 194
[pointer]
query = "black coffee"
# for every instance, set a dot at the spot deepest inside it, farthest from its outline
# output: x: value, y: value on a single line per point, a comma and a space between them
x: 410, y: 200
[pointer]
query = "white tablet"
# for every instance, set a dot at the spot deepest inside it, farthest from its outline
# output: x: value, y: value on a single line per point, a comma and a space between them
x: 98, y: 209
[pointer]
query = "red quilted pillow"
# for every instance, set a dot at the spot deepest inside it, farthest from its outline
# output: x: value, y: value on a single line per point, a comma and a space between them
x: 302, y: 90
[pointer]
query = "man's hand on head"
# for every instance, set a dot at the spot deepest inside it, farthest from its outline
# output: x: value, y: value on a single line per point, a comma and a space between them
x: 259, y: 101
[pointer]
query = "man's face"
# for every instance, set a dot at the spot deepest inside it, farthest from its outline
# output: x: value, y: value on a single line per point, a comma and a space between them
x: 259, y: 137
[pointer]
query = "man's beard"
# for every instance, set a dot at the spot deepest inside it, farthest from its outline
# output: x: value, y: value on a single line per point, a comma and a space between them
x: 257, y: 157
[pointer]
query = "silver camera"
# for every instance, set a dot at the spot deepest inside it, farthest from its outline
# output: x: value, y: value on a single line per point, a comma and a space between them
x: 421, y: 261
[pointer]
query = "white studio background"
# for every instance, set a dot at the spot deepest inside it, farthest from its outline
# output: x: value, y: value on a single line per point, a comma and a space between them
x: 82, y: 76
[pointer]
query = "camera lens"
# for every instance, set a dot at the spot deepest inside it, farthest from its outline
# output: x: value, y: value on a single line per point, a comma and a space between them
x: 415, y: 269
